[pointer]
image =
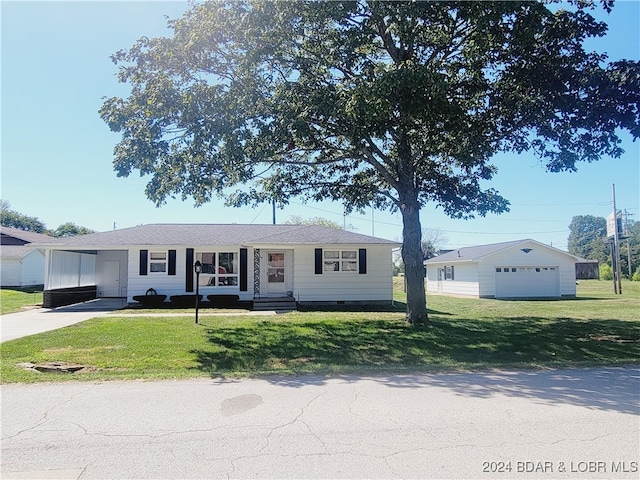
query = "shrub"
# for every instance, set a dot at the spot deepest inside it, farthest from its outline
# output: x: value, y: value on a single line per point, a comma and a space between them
x: 606, y: 272
x: 636, y: 275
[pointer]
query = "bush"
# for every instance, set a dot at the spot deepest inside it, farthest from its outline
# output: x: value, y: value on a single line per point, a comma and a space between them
x: 606, y: 272
x: 636, y: 275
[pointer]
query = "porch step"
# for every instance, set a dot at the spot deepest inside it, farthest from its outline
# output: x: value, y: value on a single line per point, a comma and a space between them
x: 280, y: 304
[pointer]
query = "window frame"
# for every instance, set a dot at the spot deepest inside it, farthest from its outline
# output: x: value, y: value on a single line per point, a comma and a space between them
x: 449, y: 273
x: 158, y: 261
x: 340, y: 261
x: 216, y: 278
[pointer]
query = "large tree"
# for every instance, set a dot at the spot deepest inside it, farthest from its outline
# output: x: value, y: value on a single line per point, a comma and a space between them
x: 630, y: 244
x: 70, y: 229
x: 586, y: 235
x: 384, y: 104
x: 13, y: 219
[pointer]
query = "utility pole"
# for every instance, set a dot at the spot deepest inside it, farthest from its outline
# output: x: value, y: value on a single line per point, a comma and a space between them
x: 373, y: 230
x: 273, y: 204
x: 344, y: 219
x: 627, y: 233
x: 617, y: 273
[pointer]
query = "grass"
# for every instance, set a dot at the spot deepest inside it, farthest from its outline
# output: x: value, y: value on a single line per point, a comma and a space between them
x: 597, y: 328
x: 12, y: 301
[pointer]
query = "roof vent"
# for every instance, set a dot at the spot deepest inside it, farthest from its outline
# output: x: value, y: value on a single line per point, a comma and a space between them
x: 526, y: 250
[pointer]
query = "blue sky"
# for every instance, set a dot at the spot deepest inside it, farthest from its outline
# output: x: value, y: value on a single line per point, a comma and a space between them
x: 57, y: 152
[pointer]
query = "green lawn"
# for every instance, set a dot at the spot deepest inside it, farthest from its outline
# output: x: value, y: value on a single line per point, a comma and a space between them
x: 16, y: 300
x: 597, y: 328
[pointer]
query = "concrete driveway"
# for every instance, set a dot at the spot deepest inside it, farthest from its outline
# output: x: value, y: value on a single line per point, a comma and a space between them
x: 579, y: 424
x: 30, y: 322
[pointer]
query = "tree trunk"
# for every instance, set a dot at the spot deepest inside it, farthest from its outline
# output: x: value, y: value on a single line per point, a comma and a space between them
x: 413, y: 265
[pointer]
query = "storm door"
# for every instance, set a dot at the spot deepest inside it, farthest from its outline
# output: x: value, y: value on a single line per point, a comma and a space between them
x: 276, y: 272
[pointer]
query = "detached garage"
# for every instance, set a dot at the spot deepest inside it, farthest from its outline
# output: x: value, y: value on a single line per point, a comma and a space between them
x: 518, y: 269
x: 21, y: 264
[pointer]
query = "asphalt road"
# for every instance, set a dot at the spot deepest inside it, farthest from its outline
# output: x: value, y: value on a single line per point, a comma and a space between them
x: 581, y: 424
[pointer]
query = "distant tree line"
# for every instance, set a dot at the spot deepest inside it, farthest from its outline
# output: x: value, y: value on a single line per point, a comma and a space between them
x: 298, y: 220
x: 588, y: 239
x: 13, y: 219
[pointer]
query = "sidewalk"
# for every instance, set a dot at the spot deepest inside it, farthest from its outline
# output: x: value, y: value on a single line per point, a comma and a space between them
x: 31, y: 322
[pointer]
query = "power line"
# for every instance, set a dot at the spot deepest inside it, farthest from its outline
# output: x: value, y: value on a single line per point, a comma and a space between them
x: 261, y: 210
x: 505, y: 233
x: 444, y: 231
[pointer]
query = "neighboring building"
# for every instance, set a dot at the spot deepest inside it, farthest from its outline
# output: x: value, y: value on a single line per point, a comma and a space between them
x: 518, y: 269
x: 21, y: 265
x: 309, y: 263
x: 588, y: 270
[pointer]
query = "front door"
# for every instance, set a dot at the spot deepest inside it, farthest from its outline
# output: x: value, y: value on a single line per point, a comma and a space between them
x: 276, y: 272
x: 111, y: 287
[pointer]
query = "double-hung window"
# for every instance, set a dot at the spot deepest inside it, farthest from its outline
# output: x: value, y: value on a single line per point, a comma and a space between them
x: 158, y: 262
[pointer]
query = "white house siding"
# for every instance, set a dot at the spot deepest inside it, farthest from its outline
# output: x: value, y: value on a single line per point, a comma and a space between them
x: 32, y: 269
x: 11, y: 272
x: 169, y: 285
x: 567, y: 278
x: 22, y: 269
x: 162, y: 283
x: 486, y: 279
x: 374, y: 286
x: 464, y: 282
x: 301, y: 280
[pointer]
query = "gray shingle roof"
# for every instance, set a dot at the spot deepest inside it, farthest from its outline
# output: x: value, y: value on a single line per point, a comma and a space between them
x: 29, y: 237
x: 218, y: 234
x: 474, y: 254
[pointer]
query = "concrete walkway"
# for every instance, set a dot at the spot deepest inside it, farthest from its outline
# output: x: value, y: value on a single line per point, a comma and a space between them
x: 38, y: 320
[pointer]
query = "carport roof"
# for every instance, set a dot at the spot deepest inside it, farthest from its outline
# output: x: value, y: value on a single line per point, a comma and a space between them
x: 217, y: 234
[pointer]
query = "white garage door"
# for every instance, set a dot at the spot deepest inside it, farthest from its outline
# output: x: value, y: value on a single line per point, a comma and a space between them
x: 514, y: 282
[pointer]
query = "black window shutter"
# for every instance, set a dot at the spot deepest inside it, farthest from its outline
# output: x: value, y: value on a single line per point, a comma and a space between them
x: 188, y: 273
x: 144, y: 259
x: 452, y: 270
x: 243, y: 269
x: 172, y: 262
x: 362, y: 260
x: 318, y: 260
